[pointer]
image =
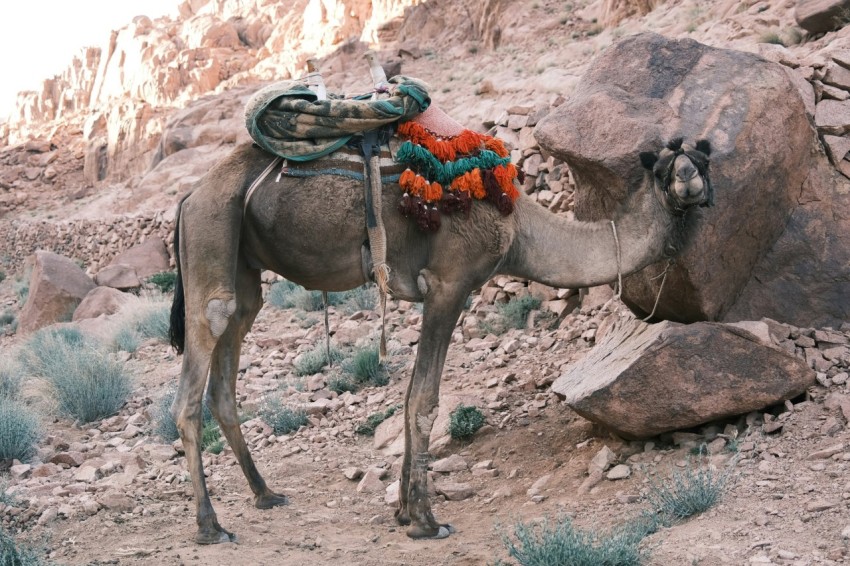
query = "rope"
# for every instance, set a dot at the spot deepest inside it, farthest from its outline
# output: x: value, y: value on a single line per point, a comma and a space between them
x: 619, y: 270
x: 661, y: 288
x: 325, y: 303
x: 619, y: 291
x: 258, y: 181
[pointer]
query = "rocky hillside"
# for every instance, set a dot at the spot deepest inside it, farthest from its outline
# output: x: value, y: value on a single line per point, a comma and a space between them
x: 93, y: 164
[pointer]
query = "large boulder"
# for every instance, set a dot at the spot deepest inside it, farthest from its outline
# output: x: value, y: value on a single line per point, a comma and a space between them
x: 57, y: 285
x: 642, y: 380
x: 818, y: 16
x: 647, y: 89
x: 147, y: 258
x: 100, y: 301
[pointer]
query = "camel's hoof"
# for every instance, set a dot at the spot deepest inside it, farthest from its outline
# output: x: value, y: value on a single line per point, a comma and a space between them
x: 270, y: 500
x: 442, y: 531
x: 402, y: 517
x: 214, y: 536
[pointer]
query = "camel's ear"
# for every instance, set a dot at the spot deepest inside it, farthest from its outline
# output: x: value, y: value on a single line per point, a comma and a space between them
x: 704, y: 146
x: 648, y: 158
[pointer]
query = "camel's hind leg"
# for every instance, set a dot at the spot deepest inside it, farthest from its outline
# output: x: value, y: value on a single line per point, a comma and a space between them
x: 208, y: 239
x: 222, y: 383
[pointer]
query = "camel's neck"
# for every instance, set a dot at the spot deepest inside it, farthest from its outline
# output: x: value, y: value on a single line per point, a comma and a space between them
x: 570, y: 254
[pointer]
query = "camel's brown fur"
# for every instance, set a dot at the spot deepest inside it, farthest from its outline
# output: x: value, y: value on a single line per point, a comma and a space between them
x: 312, y: 232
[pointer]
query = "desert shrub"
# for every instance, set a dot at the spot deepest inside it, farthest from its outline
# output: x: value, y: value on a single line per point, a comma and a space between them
x: 364, y: 298
x: 339, y: 384
x: 88, y: 384
x: 365, y: 366
x: 315, y: 360
x: 19, y: 430
x: 154, y: 322
x: 141, y: 319
x: 280, y: 294
x: 372, y: 421
x: 8, y: 323
x: 11, y: 377
x: 690, y: 491
x: 771, y: 37
x: 211, y: 440
x: 13, y: 553
x: 164, y: 281
x: 282, y: 418
x: 515, y: 312
x: 560, y: 542
x: 127, y: 340
x: 465, y: 421
x: 164, y: 425
x: 21, y: 287
x: 305, y: 300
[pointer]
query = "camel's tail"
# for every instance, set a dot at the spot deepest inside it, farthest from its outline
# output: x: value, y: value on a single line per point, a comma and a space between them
x: 177, y: 330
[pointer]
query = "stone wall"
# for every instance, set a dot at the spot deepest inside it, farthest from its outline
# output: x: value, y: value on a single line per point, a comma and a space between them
x: 93, y: 242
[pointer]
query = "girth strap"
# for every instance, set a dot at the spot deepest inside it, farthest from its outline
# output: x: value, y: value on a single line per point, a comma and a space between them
x: 371, y: 148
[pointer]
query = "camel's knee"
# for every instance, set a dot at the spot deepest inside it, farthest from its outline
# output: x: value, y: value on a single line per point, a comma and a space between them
x: 187, y: 416
x: 424, y: 418
x: 218, y: 315
x: 223, y: 407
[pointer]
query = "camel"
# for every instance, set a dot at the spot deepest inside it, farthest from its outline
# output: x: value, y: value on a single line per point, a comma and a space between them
x: 312, y: 231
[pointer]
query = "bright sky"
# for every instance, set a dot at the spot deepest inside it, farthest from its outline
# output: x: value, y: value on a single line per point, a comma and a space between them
x: 38, y: 38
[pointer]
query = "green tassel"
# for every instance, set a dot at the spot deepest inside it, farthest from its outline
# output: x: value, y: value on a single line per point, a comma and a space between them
x: 444, y: 173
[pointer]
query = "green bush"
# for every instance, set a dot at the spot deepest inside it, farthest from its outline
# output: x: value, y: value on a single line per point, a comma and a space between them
x: 164, y: 425
x: 690, y: 491
x: 87, y: 382
x: 15, y: 554
x: 365, y: 366
x: 372, y: 421
x: 465, y: 421
x: 515, y: 312
x: 22, y: 288
x: 559, y: 542
x: 364, y: 298
x: 288, y: 295
x: 282, y: 418
x: 11, y: 378
x: 315, y: 360
x: 165, y: 280
x: 339, y: 384
x: 127, y: 340
x: 19, y: 430
x: 154, y: 322
x: 280, y: 294
x: 211, y: 440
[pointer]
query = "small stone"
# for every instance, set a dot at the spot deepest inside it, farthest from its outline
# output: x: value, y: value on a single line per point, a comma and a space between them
x: 539, y: 485
x: 619, y: 472
x: 828, y: 452
x: 371, y: 482
x: 453, y: 463
x: 352, y: 473
x: 391, y: 496
x: 48, y: 516
x: 602, y: 461
x: 20, y: 471
x: 820, y: 505
x: 72, y: 459
x: 455, y: 491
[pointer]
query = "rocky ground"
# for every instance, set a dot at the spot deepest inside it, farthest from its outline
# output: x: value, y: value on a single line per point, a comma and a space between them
x: 112, y: 492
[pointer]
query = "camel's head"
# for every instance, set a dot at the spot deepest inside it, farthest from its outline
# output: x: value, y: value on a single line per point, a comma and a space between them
x: 680, y: 174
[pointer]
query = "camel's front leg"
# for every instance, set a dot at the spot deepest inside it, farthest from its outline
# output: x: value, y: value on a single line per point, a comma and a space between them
x: 443, y: 304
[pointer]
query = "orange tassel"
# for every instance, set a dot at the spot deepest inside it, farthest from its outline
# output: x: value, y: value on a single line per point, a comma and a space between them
x: 420, y: 186
x: 406, y: 179
x: 433, y: 192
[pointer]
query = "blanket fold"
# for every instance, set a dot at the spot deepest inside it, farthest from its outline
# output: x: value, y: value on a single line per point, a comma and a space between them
x: 288, y: 120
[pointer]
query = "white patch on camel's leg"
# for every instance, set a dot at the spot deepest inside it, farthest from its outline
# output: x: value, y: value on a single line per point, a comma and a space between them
x: 422, y: 284
x: 218, y: 314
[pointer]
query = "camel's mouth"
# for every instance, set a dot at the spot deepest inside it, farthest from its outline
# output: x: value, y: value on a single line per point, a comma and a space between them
x: 680, y: 173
